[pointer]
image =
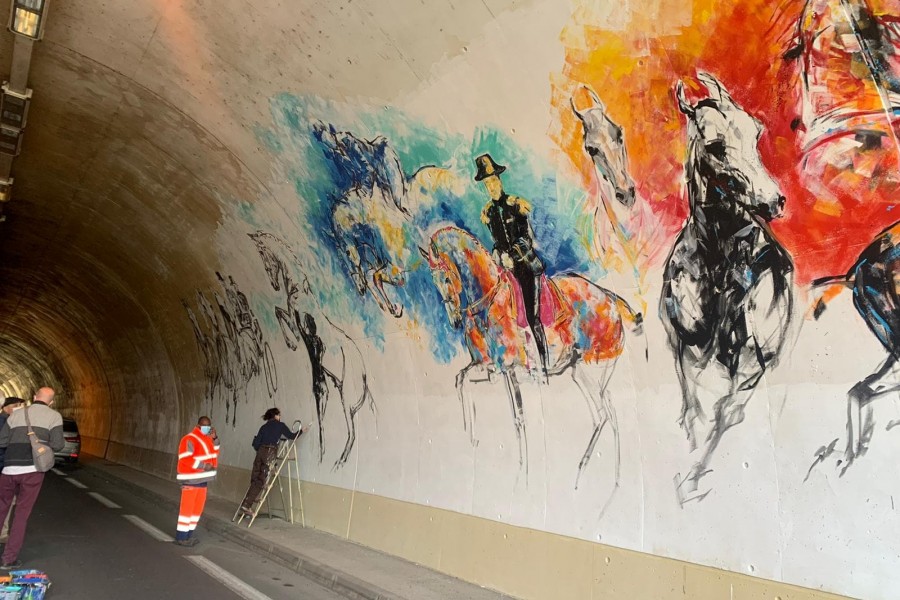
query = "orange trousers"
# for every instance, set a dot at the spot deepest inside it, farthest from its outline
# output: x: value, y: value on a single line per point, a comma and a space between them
x: 193, y: 499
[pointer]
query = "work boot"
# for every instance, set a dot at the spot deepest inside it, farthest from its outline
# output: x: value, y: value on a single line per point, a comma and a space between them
x: 188, y: 543
x: 11, y: 566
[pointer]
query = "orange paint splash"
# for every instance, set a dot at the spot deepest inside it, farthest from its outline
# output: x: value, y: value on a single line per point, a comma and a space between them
x: 634, y: 64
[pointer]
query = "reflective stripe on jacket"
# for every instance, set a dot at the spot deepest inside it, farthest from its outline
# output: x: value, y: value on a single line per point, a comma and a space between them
x: 195, y: 451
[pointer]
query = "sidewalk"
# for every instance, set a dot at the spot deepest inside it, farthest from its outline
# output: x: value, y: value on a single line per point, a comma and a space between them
x: 348, y: 569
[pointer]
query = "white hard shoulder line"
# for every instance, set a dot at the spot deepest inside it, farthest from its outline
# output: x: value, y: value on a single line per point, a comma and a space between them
x: 149, y: 529
x: 103, y: 500
x: 58, y: 472
x: 76, y: 483
x: 227, y: 579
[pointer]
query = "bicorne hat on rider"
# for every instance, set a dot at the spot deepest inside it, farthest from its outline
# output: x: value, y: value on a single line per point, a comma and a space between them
x: 487, y: 167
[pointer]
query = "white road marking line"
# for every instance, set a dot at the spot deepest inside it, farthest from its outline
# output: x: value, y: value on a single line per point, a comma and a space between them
x: 58, y: 472
x: 103, y: 500
x: 76, y: 483
x: 227, y: 579
x: 150, y: 529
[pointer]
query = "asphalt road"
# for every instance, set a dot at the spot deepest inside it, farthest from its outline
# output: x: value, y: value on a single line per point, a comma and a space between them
x: 104, y: 547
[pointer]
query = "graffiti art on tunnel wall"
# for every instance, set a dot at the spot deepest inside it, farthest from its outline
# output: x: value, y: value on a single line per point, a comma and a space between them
x: 375, y: 222
x: 727, y: 296
x: 232, y: 345
x: 339, y: 364
x: 788, y: 161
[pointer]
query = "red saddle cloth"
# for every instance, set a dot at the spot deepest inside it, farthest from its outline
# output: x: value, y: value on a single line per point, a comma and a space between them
x: 553, y: 307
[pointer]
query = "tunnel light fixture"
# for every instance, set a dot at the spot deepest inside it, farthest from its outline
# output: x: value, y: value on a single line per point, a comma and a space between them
x: 27, y: 18
x: 6, y: 189
x: 14, y: 107
x: 10, y: 140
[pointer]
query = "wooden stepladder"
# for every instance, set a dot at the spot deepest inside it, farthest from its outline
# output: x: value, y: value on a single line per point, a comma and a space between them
x: 286, y: 456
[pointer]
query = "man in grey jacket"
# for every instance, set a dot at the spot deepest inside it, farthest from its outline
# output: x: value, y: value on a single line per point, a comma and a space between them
x: 9, y: 405
x: 20, y: 481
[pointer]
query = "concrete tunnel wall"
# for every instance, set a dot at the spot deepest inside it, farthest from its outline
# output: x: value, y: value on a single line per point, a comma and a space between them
x: 163, y: 134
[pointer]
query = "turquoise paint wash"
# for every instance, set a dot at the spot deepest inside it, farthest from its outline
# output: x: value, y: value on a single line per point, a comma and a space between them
x: 367, y: 200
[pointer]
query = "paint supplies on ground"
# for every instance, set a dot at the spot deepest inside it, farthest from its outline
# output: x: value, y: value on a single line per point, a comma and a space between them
x: 25, y: 585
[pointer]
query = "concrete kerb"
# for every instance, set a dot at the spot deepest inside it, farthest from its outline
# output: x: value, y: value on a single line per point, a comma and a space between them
x: 334, y: 579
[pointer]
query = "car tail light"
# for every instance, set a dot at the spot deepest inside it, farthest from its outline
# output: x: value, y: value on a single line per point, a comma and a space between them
x: 74, y: 455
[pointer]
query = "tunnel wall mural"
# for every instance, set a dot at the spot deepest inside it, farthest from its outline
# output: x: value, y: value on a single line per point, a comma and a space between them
x: 671, y: 326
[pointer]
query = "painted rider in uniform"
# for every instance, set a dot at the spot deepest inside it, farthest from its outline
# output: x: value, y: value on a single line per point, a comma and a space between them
x: 506, y: 217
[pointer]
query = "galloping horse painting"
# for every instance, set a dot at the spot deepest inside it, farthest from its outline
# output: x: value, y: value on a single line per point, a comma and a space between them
x: 339, y: 364
x: 727, y: 299
x: 585, y: 336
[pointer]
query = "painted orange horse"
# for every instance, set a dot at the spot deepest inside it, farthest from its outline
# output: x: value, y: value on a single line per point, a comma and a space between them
x: 585, y: 330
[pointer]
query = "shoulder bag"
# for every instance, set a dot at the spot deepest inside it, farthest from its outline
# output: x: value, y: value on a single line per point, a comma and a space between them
x: 41, y: 452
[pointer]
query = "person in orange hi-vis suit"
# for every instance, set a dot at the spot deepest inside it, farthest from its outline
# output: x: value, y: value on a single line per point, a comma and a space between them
x: 198, y: 457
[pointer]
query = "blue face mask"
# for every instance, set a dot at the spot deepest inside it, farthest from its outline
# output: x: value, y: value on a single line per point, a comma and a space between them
x: 204, y: 429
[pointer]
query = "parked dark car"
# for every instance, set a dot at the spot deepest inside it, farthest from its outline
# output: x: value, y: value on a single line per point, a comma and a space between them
x: 72, y: 449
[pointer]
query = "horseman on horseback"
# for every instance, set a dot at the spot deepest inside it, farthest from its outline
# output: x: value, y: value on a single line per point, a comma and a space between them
x: 506, y: 217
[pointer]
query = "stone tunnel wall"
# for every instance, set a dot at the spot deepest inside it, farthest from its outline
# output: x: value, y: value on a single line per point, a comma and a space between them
x: 225, y: 206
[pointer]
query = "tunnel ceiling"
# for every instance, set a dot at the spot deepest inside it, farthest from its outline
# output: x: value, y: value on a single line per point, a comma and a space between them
x: 140, y: 127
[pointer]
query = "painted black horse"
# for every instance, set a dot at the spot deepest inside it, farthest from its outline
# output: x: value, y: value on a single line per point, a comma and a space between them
x: 726, y: 299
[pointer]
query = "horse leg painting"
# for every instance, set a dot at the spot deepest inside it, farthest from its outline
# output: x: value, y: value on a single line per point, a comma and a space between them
x: 727, y: 299
x: 339, y: 363
x: 873, y: 279
x: 587, y: 336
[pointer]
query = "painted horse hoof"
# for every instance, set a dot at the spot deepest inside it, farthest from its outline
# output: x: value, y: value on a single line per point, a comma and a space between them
x: 687, y: 489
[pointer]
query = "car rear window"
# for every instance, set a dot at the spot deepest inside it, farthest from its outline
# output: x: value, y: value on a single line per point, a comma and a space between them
x: 70, y: 426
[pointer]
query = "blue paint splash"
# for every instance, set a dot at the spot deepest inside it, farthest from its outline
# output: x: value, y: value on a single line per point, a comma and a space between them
x: 301, y: 139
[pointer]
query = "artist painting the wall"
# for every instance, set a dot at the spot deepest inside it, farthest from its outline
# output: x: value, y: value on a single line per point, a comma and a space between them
x: 266, y: 445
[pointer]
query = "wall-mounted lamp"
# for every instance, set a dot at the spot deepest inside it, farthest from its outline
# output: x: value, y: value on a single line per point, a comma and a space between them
x: 6, y: 189
x: 10, y: 140
x: 27, y: 17
x: 14, y: 107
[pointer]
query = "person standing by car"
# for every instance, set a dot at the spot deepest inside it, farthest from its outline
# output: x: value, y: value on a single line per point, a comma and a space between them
x: 20, y: 480
x: 9, y: 405
x: 198, y: 457
x: 266, y: 445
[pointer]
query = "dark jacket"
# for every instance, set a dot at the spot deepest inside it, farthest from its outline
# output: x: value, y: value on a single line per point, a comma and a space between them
x: 271, y: 433
x: 507, y: 220
x: 3, y: 418
x: 47, y: 425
